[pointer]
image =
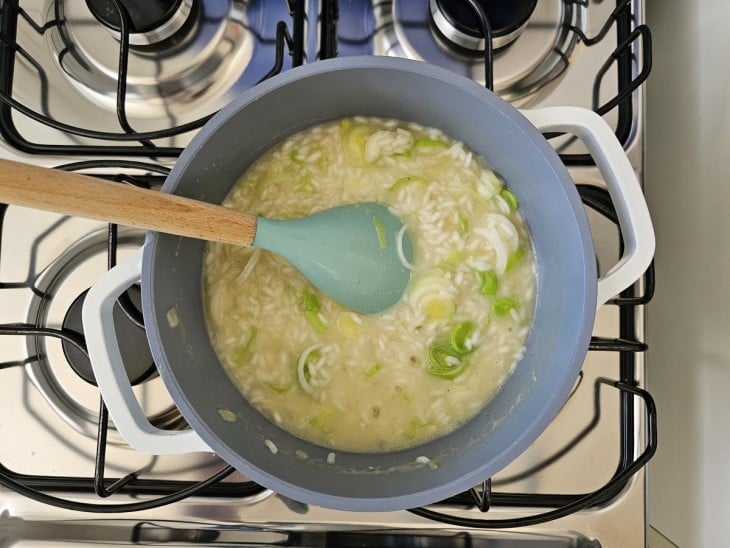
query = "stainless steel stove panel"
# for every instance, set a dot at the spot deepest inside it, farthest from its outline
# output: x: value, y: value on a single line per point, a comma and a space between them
x: 574, y: 455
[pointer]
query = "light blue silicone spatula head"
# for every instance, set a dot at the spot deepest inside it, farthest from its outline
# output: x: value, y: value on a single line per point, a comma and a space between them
x: 350, y: 252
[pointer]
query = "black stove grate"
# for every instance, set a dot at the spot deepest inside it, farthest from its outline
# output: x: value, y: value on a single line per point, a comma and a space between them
x: 166, y: 492
x: 632, y: 41
x: 128, y: 142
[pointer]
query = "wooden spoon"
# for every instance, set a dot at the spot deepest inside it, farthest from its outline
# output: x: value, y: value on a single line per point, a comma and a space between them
x: 350, y: 252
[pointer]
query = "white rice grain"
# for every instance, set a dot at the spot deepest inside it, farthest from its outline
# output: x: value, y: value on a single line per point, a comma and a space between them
x: 272, y: 446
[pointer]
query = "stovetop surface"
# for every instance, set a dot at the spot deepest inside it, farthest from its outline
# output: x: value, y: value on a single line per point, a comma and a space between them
x: 48, y: 414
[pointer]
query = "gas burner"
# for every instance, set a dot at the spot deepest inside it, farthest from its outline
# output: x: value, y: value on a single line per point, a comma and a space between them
x: 149, y: 22
x: 191, y: 60
x: 132, y: 341
x: 540, y: 51
x: 458, y: 24
x: 61, y: 372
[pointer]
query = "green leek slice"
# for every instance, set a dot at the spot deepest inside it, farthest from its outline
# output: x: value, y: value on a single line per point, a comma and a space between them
x: 488, y: 283
x: 370, y: 371
x: 503, y: 305
x: 510, y: 198
x: 405, y: 181
x: 279, y: 388
x: 349, y: 324
x: 314, y: 356
x: 432, y: 293
x: 294, y: 157
x: 309, y: 356
x: 380, y: 230
x: 464, y: 222
x: 354, y: 141
x: 240, y: 353
x: 515, y: 258
x: 311, y: 312
x: 438, y: 308
x: 321, y: 421
x: 460, y: 338
x: 454, y: 258
x: 443, y: 362
x: 426, y: 142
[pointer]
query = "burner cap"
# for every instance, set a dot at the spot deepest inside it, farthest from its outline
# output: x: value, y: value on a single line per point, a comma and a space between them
x: 457, y: 22
x: 132, y: 342
x: 151, y: 21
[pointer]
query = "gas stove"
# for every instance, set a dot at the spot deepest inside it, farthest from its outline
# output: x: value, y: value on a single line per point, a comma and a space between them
x: 116, y: 89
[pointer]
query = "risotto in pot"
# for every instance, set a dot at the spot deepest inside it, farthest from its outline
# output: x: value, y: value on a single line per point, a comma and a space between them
x: 421, y: 368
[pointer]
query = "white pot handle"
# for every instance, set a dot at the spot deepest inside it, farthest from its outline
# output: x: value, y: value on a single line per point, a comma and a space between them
x: 111, y: 377
x: 623, y: 186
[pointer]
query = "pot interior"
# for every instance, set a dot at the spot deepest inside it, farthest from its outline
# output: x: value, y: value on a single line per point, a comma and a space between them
x: 556, y: 346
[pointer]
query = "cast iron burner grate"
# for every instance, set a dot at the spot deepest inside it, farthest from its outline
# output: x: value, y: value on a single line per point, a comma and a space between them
x: 632, y: 41
x: 126, y: 141
x: 482, y: 496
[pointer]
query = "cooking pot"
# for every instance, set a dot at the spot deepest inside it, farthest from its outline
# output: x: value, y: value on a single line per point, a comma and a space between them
x: 568, y: 291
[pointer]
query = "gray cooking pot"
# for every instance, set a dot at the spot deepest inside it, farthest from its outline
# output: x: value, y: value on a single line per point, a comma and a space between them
x: 171, y: 267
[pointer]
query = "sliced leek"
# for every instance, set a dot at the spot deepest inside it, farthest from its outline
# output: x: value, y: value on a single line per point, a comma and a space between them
x: 464, y: 222
x: 462, y: 338
x: 515, y: 258
x: 439, y: 308
x: 488, y: 283
x: 426, y: 142
x: 310, y: 357
x: 312, y: 312
x: 239, y: 354
x: 503, y: 305
x: 434, y: 295
x: 443, y: 362
x: 355, y: 140
x: 294, y: 157
x: 510, y: 198
x: 279, y: 388
x: 405, y: 181
x: 455, y: 258
x: 399, y: 248
x: 321, y: 421
x: 349, y: 324
x: 380, y: 231
x: 489, y: 185
x: 372, y: 370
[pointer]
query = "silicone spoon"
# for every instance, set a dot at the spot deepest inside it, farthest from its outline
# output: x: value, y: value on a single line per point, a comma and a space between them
x: 350, y: 252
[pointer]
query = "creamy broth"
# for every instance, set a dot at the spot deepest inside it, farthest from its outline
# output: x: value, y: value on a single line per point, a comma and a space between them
x: 416, y: 371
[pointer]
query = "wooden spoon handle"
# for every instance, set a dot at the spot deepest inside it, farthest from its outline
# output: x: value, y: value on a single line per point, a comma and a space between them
x: 74, y: 194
